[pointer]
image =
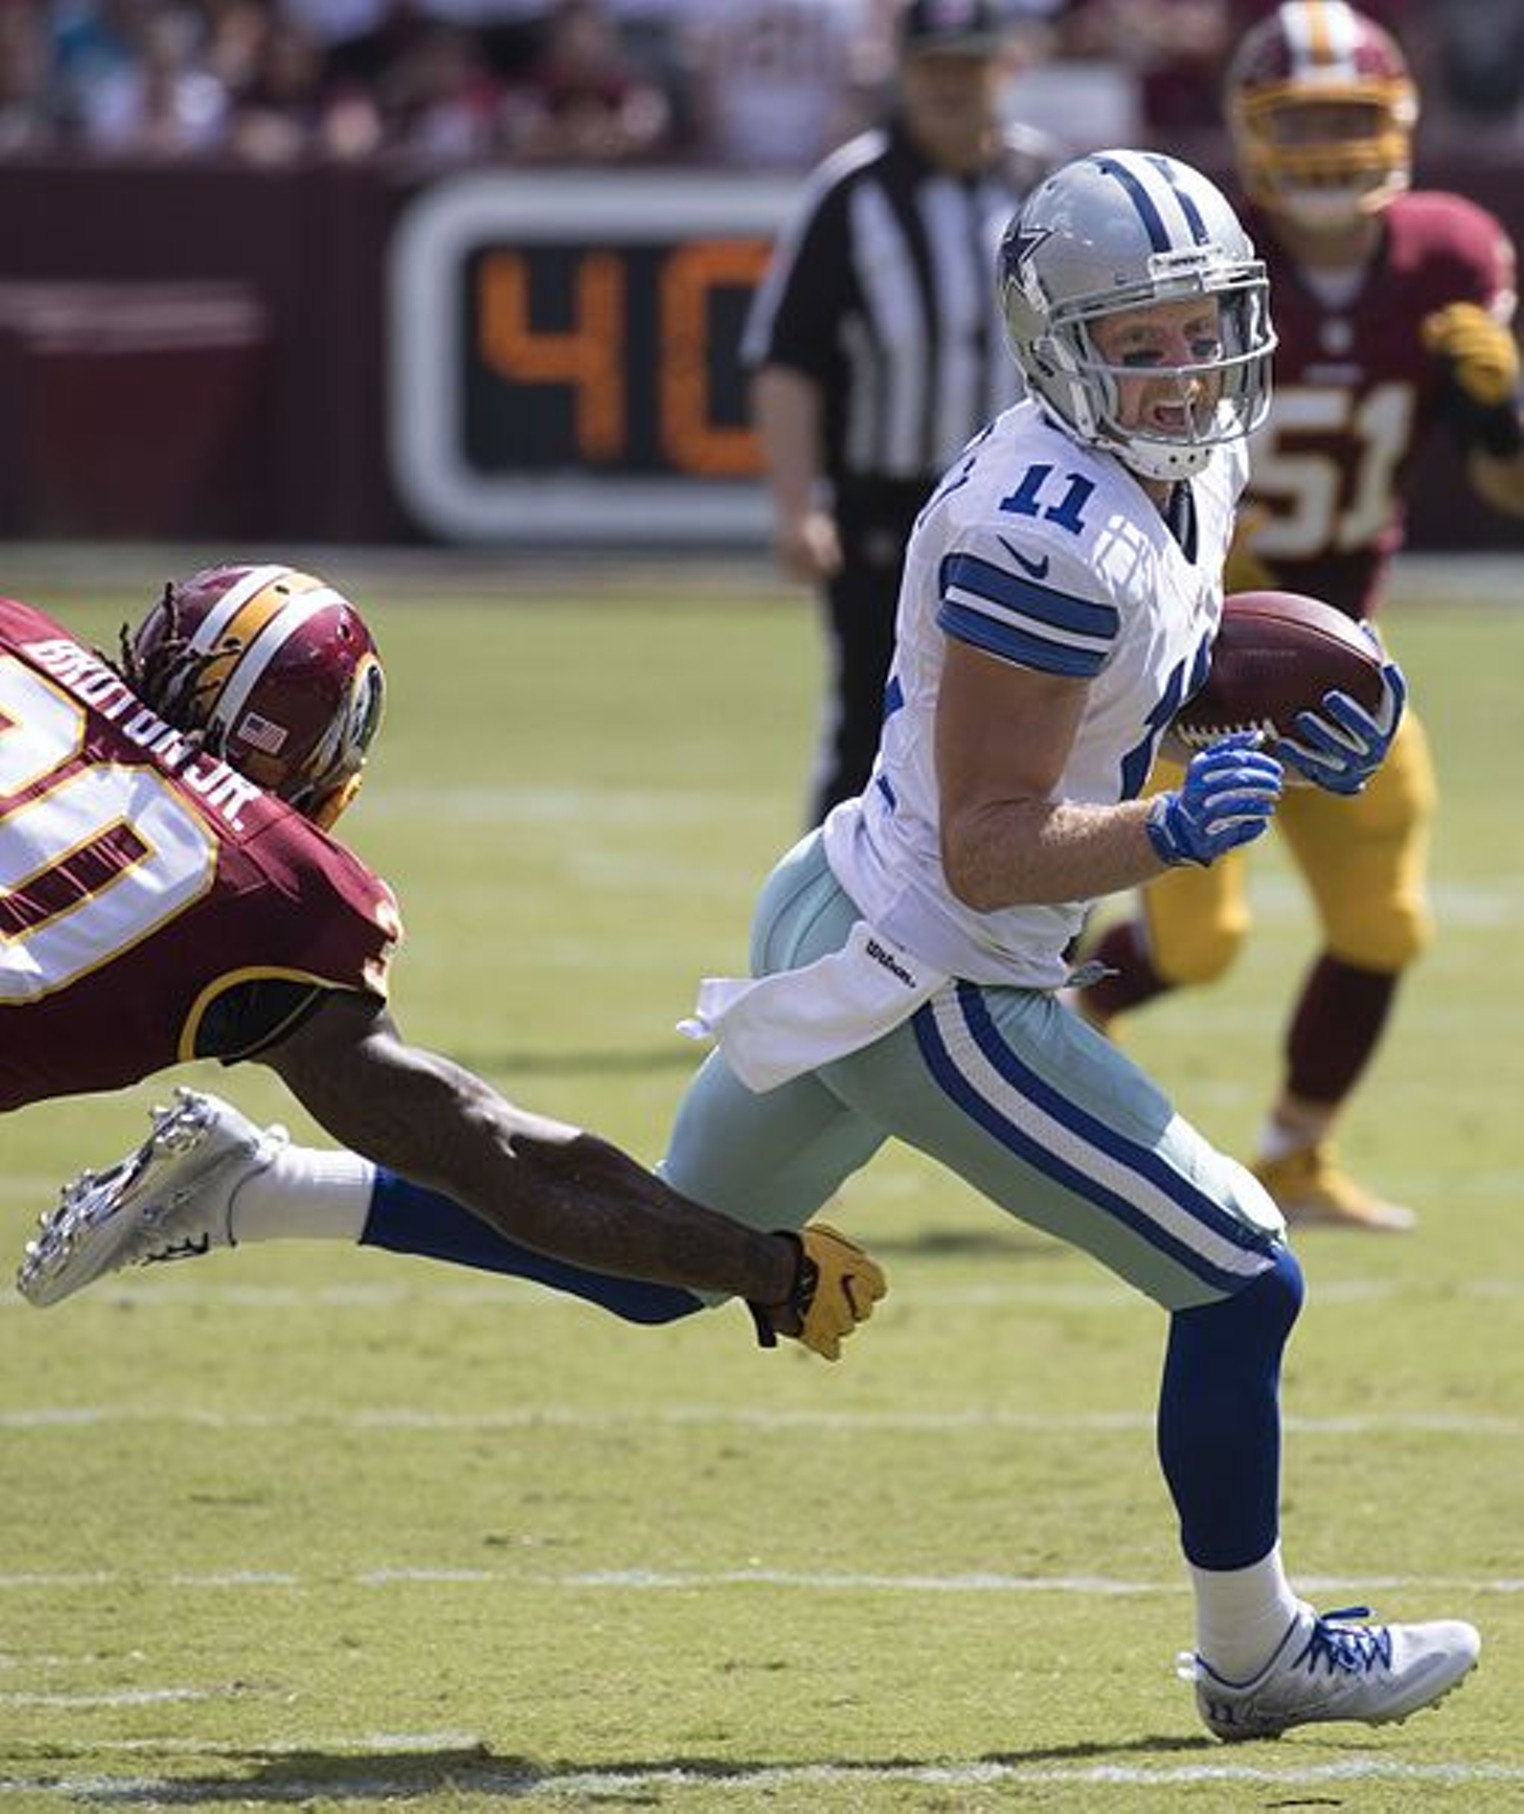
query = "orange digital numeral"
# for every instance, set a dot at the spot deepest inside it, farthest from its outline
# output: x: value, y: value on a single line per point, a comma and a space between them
x: 590, y: 356
x: 689, y: 437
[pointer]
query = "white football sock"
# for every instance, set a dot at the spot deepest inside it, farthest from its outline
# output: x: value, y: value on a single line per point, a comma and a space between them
x: 304, y: 1194
x: 1242, y: 1614
x: 1288, y: 1131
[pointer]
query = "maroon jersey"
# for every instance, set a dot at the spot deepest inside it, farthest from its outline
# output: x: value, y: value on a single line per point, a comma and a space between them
x: 1356, y: 393
x: 155, y: 905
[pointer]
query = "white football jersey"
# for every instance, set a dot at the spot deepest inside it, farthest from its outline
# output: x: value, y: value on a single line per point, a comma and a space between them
x: 1048, y: 554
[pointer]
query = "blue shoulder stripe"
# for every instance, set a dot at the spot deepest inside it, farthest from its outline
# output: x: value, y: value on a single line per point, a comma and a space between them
x: 982, y: 579
x: 999, y: 637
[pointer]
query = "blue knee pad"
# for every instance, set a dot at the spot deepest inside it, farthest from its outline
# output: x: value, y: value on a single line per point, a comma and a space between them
x: 407, y: 1218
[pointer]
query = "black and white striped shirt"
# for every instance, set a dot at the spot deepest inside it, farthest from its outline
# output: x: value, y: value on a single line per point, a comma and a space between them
x: 882, y: 290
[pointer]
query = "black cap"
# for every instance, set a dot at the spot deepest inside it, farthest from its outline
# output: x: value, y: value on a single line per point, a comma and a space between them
x: 972, y: 26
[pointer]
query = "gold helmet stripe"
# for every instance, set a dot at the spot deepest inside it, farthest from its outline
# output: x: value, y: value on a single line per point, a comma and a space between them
x: 218, y: 624
x: 1323, y: 31
x: 228, y: 629
x: 294, y: 607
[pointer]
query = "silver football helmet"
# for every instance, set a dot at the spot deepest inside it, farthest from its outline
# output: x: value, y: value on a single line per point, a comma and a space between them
x: 1121, y: 230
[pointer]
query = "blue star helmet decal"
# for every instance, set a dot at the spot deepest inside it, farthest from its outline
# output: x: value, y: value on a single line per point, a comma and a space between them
x: 1028, y: 239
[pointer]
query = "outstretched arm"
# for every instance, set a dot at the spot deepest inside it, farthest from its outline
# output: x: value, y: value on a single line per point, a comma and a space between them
x: 552, y: 1186
x: 540, y: 1181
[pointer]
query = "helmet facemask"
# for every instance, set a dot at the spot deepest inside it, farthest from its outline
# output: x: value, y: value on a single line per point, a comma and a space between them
x: 1328, y: 159
x: 1224, y: 396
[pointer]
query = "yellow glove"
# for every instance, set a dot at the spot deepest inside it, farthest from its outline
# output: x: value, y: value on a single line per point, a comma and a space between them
x: 847, y: 1284
x: 1482, y: 354
x: 835, y: 1289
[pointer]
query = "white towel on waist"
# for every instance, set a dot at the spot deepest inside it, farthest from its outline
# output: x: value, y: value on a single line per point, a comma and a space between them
x: 772, y: 1028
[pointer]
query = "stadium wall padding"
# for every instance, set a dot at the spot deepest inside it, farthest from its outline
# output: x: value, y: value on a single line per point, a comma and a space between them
x: 201, y: 351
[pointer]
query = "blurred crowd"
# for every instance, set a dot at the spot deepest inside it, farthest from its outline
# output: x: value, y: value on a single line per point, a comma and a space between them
x: 754, y: 84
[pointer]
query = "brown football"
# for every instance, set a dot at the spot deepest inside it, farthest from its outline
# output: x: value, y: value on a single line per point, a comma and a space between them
x: 1277, y: 654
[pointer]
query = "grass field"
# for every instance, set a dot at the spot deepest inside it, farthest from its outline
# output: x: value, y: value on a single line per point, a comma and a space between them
x: 303, y: 1525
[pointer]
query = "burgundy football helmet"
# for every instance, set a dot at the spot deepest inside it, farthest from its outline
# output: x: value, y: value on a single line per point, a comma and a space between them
x: 278, y: 673
x: 1322, y: 110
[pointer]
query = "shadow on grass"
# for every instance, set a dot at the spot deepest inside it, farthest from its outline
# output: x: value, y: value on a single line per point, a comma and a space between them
x: 292, y: 1777
x: 999, y: 1240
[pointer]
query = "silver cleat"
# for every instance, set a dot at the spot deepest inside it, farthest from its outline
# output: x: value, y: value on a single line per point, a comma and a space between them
x: 170, y: 1200
x: 1335, y: 1668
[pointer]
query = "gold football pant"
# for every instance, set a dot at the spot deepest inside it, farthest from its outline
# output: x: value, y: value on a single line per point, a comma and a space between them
x: 1364, y: 859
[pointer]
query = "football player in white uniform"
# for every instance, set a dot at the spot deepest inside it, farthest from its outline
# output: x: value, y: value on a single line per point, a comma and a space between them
x: 1061, y: 591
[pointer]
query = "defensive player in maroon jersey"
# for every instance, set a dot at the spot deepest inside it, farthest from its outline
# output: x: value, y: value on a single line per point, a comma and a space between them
x: 169, y: 891
x: 1393, y: 310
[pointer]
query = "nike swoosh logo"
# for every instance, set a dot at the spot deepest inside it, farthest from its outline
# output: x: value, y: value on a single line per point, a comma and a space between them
x: 1037, y: 569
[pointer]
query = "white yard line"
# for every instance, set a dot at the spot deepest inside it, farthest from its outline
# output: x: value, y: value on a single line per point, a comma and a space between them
x: 120, y: 1697
x: 976, y: 1419
x: 645, y: 1580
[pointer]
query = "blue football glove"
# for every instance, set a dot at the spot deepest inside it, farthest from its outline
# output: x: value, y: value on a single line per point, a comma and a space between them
x: 1342, y: 746
x: 1230, y: 790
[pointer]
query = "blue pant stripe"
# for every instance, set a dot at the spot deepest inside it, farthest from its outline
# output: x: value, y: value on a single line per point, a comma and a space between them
x: 1144, y: 1160
x: 963, y: 1091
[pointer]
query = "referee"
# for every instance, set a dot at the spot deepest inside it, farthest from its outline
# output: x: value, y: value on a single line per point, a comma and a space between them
x: 877, y: 350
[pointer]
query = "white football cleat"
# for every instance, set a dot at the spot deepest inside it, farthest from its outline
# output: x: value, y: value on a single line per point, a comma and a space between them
x: 1329, y: 1669
x: 170, y: 1200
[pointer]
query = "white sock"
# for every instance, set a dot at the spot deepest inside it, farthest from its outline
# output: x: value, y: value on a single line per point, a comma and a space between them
x: 304, y: 1194
x: 1280, y: 1136
x: 1242, y: 1614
